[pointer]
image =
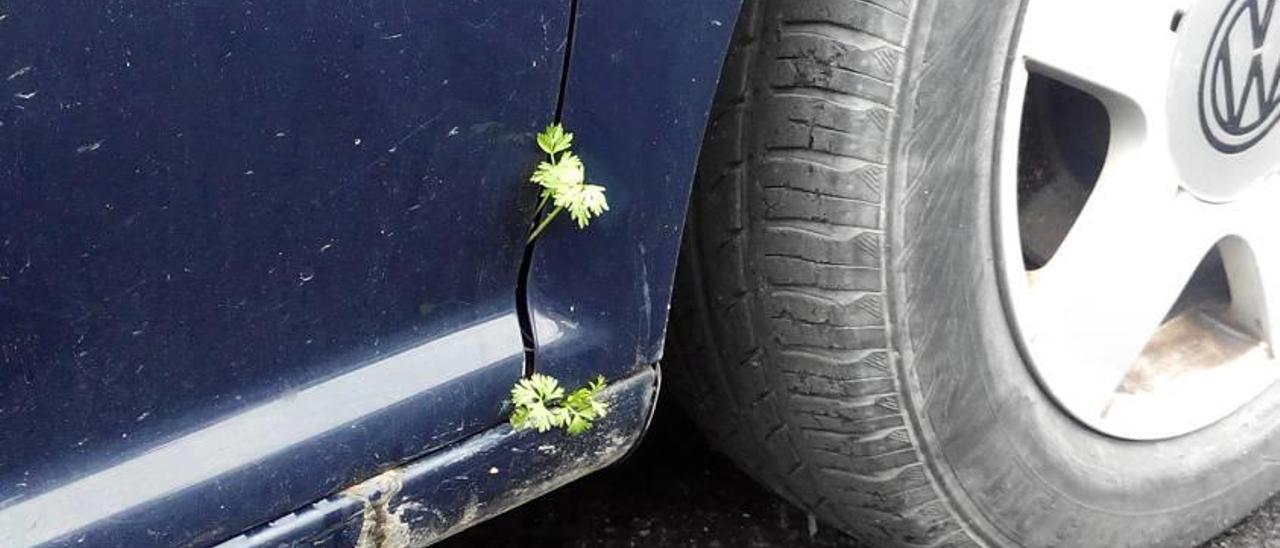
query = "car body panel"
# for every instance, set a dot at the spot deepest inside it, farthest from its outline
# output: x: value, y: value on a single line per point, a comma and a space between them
x: 430, y: 499
x: 592, y: 313
x: 641, y: 80
x: 252, y: 252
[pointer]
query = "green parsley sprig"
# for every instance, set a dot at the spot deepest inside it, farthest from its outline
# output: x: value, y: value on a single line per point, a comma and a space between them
x: 563, y: 179
x: 541, y: 404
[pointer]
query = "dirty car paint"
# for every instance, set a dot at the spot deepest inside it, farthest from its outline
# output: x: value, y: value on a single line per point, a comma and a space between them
x: 431, y: 499
x: 279, y: 243
x: 642, y: 76
x: 227, y: 231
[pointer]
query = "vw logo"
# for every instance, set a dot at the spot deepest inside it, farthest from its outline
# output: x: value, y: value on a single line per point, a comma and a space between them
x: 1240, y: 78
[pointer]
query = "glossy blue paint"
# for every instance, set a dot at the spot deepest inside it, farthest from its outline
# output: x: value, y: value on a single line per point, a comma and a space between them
x: 642, y: 76
x: 333, y: 522
x: 490, y: 473
x: 316, y: 439
x: 251, y: 252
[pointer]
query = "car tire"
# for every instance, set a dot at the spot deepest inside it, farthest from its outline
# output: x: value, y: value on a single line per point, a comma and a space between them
x: 838, y: 327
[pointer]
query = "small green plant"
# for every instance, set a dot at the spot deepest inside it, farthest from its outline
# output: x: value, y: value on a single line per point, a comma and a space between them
x: 541, y: 404
x: 563, y: 179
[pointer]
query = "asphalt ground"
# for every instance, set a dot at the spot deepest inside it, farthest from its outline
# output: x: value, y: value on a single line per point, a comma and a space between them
x: 676, y: 492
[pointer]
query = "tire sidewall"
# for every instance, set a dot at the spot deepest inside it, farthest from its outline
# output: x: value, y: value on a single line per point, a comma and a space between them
x: 1019, y: 469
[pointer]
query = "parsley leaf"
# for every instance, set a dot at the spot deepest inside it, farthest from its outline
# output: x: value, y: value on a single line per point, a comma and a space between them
x: 564, y: 182
x: 554, y: 139
x: 541, y: 404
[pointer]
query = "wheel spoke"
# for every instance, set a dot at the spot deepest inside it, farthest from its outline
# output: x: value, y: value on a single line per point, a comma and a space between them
x: 1124, y: 47
x: 1253, y: 263
x: 1093, y: 316
x: 1111, y: 283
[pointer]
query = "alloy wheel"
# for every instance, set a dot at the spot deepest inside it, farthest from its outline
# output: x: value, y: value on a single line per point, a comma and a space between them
x: 1138, y: 208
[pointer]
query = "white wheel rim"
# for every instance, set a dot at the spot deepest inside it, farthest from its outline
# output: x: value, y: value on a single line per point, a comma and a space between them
x: 1086, y: 320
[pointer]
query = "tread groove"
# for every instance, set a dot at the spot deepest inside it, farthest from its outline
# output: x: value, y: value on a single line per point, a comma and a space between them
x: 783, y: 269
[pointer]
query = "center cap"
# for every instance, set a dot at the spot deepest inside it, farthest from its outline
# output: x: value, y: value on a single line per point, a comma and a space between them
x: 1224, y: 101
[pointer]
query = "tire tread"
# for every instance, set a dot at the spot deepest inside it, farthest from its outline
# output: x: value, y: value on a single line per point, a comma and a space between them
x: 780, y: 341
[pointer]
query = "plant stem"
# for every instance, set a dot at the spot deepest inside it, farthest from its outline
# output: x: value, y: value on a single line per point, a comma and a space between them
x: 545, y: 221
x: 541, y: 204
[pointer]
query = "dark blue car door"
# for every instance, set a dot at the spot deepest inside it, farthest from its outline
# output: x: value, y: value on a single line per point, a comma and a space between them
x: 253, y: 251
